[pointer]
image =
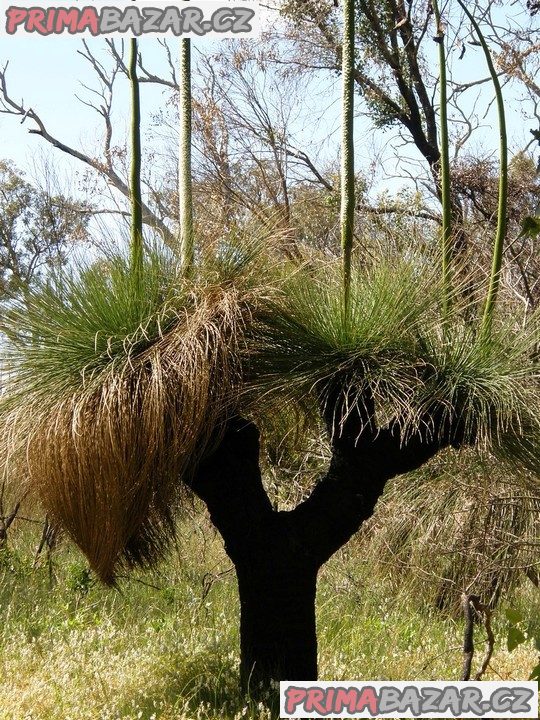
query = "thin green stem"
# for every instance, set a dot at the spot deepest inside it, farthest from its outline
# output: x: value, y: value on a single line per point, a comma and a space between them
x: 446, y: 232
x: 136, y: 246
x: 185, y: 191
x: 498, y: 248
x: 347, y: 148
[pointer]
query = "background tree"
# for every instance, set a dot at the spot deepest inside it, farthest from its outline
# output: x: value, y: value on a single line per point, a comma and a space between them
x: 37, y: 230
x: 109, y: 164
x: 262, y: 139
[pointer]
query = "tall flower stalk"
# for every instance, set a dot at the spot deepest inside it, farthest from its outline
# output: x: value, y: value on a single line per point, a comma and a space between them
x: 185, y: 191
x: 446, y: 232
x: 498, y: 248
x: 347, y: 148
x: 136, y: 245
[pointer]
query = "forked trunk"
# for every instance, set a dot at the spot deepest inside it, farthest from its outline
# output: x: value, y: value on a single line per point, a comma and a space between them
x: 277, y: 554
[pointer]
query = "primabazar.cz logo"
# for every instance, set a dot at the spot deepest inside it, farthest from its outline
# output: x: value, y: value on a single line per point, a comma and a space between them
x: 128, y: 18
x: 409, y: 699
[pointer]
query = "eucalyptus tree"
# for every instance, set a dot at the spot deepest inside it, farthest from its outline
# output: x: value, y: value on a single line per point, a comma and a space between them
x: 397, y: 87
x: 38, y: 228
x: 105, y: 163
x: 391, y: 71
x: 126, y: 394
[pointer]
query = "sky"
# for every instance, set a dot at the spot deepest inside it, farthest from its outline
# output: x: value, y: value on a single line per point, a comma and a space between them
x: 48, y: 73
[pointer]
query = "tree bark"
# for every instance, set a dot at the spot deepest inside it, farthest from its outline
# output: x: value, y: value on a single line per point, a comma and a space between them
x: 278, y: 638
x: 277, y: 555
x: 276, y: 574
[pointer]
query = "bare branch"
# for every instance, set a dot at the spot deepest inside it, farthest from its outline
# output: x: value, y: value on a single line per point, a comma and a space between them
x: 12, y: 107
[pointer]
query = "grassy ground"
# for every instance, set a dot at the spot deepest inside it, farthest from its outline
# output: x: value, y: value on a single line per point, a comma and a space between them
x: 165, y: 646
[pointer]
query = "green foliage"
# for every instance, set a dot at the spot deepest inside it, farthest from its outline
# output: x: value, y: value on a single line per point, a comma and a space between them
x: 515, y: 638
x: 393, y: 341
x: 520, y: 631
x: 530, y: 227
x: 36, y: 230
x: 78, y: 323
x: 307, y: 339
x: 81, y: 324
x: 490, y: 384
x: 79, y: 579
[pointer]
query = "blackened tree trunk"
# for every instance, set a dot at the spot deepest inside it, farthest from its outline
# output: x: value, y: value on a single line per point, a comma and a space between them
x: 276, y: 573
x: 277, y: 621
x: 277, y: 555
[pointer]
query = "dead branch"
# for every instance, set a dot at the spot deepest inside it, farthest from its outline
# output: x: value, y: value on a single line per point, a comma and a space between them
x: 473, y: 609
x: 9, y: 106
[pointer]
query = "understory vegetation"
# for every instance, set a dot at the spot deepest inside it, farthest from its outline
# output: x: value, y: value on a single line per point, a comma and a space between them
x: 165, y: 646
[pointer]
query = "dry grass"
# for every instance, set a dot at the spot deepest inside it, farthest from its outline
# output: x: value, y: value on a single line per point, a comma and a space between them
x: 106, y: 459
x: 170, y: 652
x: 460, y: 523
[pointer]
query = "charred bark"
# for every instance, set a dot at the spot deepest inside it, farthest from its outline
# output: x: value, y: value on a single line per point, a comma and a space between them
x: 276, y: 574
x: 277, y: 555
x: 278, y: 639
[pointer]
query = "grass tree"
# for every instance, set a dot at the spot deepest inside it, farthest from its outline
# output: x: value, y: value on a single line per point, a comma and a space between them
x: 123, y: 396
